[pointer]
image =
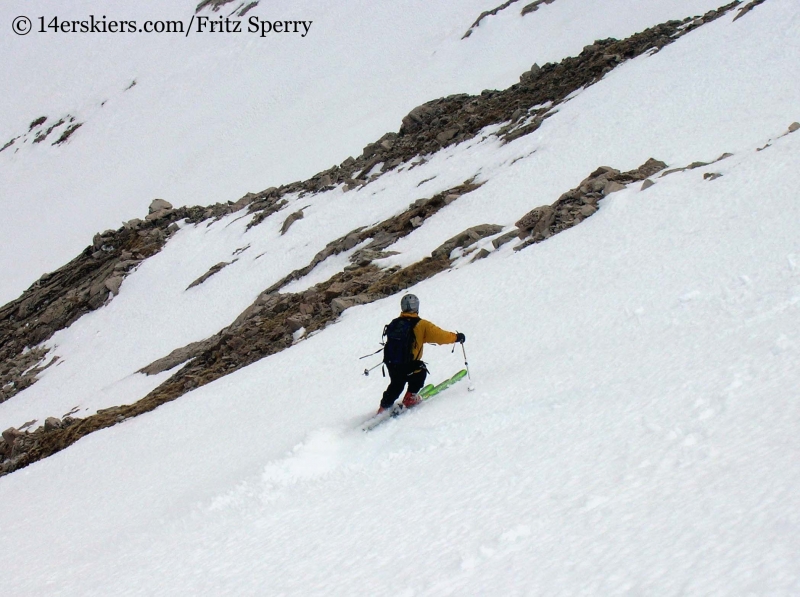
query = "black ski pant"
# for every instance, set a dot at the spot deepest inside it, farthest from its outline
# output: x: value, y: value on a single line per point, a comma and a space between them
x: 414, y: 375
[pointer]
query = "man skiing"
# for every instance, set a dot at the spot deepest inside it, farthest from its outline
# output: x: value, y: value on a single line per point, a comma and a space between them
x: 405, y: 338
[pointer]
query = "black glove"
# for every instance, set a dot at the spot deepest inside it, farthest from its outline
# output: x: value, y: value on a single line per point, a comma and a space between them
x: 460, y: 337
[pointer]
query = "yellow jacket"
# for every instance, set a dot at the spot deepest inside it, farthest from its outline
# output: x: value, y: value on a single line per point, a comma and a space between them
x: 427, y: 333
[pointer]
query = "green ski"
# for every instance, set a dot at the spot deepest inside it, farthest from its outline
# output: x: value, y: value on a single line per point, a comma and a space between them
x: 425, y: 393
x: 431, y: 390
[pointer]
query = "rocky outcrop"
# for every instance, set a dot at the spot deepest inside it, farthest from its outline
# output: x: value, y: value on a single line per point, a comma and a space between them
x: 695, y: 165
x: 488, y: 13
x: 212, y: 270
x: 747, y: 8
x: 457, y: 118
x: 534, y: 6
x: 58, y: 299
x: 465, y: 239
x: 576, y: 205
x: 291, y: 219
x: 529, y: 8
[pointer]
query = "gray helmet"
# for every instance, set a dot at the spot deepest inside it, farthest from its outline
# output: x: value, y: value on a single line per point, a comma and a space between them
x: 409, y: 304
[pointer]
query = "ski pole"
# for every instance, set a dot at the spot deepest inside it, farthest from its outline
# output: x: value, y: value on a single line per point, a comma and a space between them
x: 466, y: 366
x: 366, y: 371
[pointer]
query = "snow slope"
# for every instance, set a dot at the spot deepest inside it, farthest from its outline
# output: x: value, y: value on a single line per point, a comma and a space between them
x: 634, y: 428
x: 214, y: 116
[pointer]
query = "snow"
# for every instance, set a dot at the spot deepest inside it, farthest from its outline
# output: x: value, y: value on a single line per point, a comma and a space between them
x: 634, y: 424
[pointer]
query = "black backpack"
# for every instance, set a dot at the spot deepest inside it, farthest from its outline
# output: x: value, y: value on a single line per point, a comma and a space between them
x: 399, y: 346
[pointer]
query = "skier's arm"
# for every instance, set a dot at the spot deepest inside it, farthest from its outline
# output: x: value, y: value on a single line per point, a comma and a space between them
x: 432, y: 334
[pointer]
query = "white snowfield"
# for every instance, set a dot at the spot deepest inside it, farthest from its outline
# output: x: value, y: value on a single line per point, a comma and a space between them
x: 634, y: 430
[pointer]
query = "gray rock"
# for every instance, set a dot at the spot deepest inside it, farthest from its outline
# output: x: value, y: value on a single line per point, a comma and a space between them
x: 417, y: 117
x: 612, y: 186
x: 52, y: 423
x: 294, y: 323
x: 795, y: 126
x: 176, y: 357
x: 587, y: 210
x: 338, y: 305
x: 211, y: 271
x: 335, y: 290
x: 244, y: 201
x: 350, y: 241
x: 647, y: 184
x: 445, y: 136
x: 536, y: 221
x: 599, y: 184
x: 298, y: 215
x: 469, y: 237
x: 113, y: 283
x: 157, y: 215
x: 158, y: 205
x: 505, y: 238
x: 132, y: 224
x: 10, y: 435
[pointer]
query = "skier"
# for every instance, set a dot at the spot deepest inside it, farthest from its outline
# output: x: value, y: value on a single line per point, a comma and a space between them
x: 405, y: 337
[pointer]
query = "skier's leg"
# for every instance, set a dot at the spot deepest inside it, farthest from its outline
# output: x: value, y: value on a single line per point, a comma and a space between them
x: 416, y: 377
x: 396, y: 385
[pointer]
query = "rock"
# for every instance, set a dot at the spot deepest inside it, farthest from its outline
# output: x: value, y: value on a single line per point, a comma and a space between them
x: 417, y: 222
x: 298, y: 215
x: 244, y: 201
x: 445, y: 136
x: 132, y: 224
x: 212, y: 270
x: 711, y: 175
x: 450, y: 197
x: 158, y: 205
x: 483, y: 253
x: 795, y: 126
x: 157, y: 215
x: 505, y: 238
x: 536, y: 221
x: 648, y: 169
x: 10, y: 435
x: 598, y: 184
x: 334, y: 290
x: 113, y: 283
x: 338, y: 305
x: 587, y: 210
x: 416, y: 118
x: 647, y: 184
x: 469, y: 237
x: 52, y: 423
x: 294, y: 323
x: 325, y: 181
x: 612, y: 186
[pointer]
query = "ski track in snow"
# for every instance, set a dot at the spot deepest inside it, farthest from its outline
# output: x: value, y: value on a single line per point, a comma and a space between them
x: 634, y: 427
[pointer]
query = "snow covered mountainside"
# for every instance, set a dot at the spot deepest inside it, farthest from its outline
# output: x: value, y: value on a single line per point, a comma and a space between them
x: 613, y: 228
